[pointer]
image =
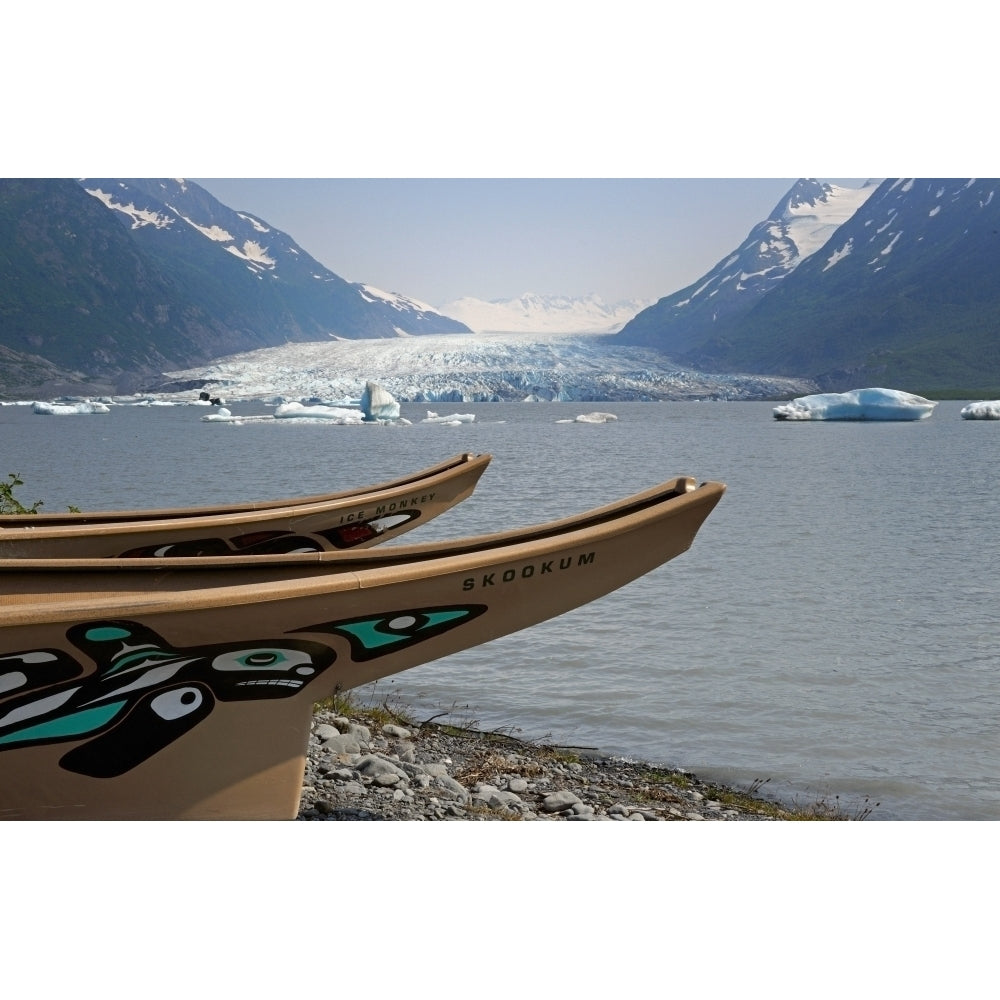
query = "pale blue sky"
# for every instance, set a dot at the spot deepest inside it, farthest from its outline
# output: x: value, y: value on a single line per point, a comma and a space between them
x: 438, y: 240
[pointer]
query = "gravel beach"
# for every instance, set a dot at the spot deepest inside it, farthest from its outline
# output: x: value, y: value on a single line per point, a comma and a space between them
x: 359, y: 769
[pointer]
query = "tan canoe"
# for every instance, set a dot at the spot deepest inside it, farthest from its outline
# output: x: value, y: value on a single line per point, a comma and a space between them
x: 159, y: 699
x: 337, y: 521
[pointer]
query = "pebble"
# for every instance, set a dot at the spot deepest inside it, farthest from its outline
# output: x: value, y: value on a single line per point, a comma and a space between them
x: 358, y: 771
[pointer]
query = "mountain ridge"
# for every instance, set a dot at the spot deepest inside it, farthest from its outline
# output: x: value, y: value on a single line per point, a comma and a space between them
x: 902, y: 294
x: 108, y: 284
x: 112, y: 281
x: 798, y: 226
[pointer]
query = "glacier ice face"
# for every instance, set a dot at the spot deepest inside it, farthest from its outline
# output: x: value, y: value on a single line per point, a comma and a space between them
x: 858, y: 404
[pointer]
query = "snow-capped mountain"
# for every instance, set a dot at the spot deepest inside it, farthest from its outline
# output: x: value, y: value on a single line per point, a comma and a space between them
x: 298, y: 298
x: 108, y: 281
x: 531, y: 313
x: 466, y: 368
x: 799, y: 225
x: 903, y: 293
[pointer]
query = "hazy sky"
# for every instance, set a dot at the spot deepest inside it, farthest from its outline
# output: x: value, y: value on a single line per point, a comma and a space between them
x: 439, y: 240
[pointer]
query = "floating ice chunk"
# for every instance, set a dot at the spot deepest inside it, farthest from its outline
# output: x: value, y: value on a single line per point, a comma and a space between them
x: 329, y: 414
x: 378, y: 403
x: 452, y: 418
x: 985, y: 409
x: 220, y: 415
x: 594, y: 418
x: 858, y: 404
x: 64, y: 409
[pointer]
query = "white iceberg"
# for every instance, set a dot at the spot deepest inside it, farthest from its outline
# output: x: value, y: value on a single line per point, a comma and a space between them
x: 222, y: 415
x: 985, y: 409
x: 66, y: 409
x: 325, y: 414
x: 378, y: 403
x: 451, y: 419
x: 594, y: 418
x: 858, y: 404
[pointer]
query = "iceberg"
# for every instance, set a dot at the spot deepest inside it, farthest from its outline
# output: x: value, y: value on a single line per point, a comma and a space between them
x: 378, y: 403
x: 985, y: 409
x: 858, y: 404
x: 594, y: 418
x: 451, y: 419
x: 326, y: 414
x: 221, y: 415
x: 64, y: 409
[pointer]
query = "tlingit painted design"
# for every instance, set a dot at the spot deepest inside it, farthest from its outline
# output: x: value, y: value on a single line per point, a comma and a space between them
x: 144, y: 694
x: 260, y: 543
x: 372, y: 636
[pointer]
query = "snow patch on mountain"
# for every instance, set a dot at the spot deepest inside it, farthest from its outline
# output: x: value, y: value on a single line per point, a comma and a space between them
x: 402, y: 302
x: 139, y: 216
x: 809, y: 221
x: 545, y: 314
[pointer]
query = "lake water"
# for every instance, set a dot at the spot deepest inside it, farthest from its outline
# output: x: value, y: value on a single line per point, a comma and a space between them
x: 833, y: 630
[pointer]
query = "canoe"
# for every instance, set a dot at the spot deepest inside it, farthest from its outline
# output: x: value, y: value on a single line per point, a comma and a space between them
x: 336, y: 521
x: 71, y: 518
x: 183, y: 689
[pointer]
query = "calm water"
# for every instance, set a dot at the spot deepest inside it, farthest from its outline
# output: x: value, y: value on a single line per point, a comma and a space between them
x: 834, y: 628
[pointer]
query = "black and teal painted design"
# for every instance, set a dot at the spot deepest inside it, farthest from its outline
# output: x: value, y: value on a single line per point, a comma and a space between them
x: 372, y: 636
x: 144, y: 694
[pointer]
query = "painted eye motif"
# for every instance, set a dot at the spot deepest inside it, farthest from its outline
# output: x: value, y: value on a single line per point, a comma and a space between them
x: 264, y: 658
x: 178, y: 703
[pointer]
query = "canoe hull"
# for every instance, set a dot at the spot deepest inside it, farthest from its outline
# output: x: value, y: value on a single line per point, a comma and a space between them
x: 197, y: 704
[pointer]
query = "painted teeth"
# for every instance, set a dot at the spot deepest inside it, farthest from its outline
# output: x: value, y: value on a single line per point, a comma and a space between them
x: 274, y: 683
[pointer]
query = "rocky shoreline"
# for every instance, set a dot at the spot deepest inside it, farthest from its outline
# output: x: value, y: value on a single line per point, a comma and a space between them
x: 372, y: 770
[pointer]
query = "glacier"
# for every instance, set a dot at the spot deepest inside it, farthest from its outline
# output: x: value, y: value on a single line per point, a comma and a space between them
x: 469, y: 368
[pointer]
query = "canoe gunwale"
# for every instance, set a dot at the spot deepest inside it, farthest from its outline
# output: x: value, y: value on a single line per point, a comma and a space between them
x: 143, y: 515
x: 395, y: 564
x: 177, y: 525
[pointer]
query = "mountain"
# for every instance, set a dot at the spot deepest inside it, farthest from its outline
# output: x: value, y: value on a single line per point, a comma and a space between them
x: 800, y: 224
x: 79, y: 298
x: 543, y: 314
x: 253, y: 276
x: 904, y: 293
x: 111, y: 280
